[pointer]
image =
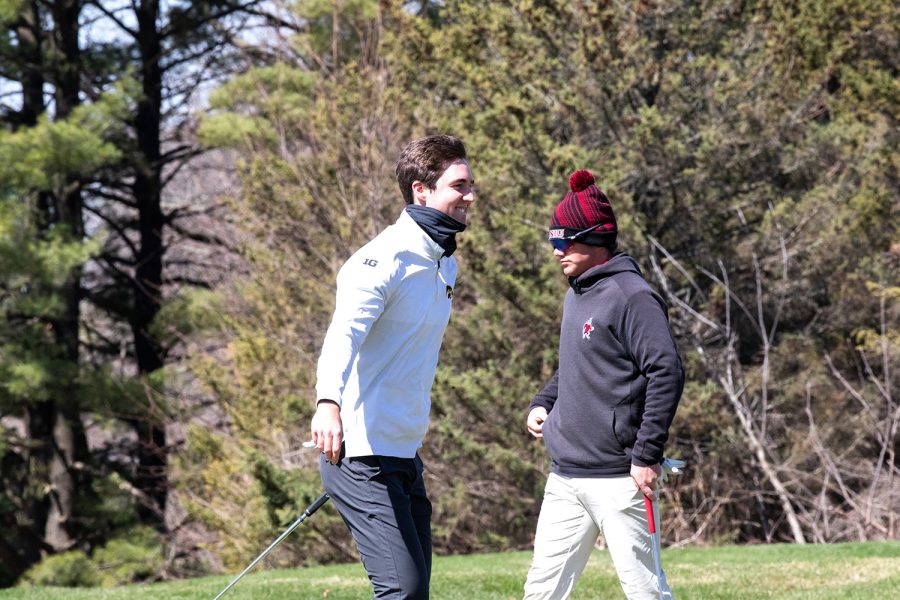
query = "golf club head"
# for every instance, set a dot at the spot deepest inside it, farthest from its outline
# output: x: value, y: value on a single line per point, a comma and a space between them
x: 665, y: 593
x: 670, y: 466
x: 673, y: 466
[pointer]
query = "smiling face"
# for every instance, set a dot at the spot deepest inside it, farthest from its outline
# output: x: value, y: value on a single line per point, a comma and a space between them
x: 453, y: 192
x: 578, y: 258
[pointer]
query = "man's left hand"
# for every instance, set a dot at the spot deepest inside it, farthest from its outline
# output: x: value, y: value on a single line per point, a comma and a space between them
x: 645, y: 478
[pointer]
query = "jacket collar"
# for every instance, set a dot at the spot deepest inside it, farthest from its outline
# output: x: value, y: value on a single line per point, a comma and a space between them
x: 419, y: 241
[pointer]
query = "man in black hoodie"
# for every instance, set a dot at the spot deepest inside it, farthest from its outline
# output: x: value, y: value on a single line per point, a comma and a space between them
x: 604, y: 416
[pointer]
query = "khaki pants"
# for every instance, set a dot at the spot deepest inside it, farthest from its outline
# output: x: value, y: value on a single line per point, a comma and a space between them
x: 574, y: 511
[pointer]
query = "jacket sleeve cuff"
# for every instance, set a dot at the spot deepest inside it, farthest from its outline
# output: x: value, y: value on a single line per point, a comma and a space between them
x: 637, y: 461
x: 539, y: 402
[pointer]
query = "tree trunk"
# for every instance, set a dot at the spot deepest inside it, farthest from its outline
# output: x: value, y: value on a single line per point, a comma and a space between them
x: 11, y: 558
x: 30, y: 42
x: 39, y: 455
x: 38, y: 416
x: 55, y: 444
x: 62, y: 486
x: 152, y: 456
x: 69, y: 454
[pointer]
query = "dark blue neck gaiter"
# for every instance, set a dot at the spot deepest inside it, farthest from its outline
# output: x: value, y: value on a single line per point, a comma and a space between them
x: 440, y: 227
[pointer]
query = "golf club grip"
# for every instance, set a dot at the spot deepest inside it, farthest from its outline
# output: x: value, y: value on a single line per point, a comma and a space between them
x: 317, y: 504
x: 651, y: 520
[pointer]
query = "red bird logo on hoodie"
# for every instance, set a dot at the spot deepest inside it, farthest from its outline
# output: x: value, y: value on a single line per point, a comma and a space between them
x: 588, y: 328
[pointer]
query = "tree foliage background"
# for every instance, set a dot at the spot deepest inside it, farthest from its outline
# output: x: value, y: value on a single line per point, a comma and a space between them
x: 749, y: 150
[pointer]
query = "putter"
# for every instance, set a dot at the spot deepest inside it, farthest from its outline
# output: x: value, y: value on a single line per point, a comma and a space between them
x: 316, y: 505
x: 650, y: 505
x: 670, y: 466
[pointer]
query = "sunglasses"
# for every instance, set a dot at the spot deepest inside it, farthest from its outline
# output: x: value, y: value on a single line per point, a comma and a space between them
x: 564, y: 243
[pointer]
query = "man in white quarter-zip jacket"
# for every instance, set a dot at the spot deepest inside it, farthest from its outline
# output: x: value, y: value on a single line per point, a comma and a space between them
x: 377, y: 366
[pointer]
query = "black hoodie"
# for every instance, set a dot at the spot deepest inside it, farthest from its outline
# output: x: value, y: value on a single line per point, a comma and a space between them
x: 619, y: 380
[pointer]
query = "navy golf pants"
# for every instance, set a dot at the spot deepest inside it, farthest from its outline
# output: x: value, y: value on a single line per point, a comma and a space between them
x: 382, y: 500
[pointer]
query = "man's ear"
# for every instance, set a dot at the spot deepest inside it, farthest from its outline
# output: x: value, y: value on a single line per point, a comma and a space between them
x: 419, y: 190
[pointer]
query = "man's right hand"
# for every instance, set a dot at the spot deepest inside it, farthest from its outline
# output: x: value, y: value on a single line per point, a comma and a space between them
x: 327, y: 430
x: 536, y: 419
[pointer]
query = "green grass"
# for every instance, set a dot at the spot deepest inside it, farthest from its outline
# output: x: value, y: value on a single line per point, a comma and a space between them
x: 854, y: 571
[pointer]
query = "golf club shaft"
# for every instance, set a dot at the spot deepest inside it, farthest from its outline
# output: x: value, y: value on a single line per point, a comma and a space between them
x: 312, y: 508
x: 649, y: 505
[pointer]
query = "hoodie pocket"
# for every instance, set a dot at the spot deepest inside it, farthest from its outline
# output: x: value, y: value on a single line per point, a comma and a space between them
x: 625, y: 424
x: 584, y: 440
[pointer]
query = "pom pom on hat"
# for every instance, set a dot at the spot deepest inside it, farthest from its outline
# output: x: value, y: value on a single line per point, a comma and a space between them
x: 580, y: 180
x: 583, y: 207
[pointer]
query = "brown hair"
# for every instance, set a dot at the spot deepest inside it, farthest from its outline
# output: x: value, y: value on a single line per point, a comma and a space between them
x: 425, y: 160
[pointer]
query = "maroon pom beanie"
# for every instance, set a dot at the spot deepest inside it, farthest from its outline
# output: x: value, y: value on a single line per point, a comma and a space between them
x: 583, y: 207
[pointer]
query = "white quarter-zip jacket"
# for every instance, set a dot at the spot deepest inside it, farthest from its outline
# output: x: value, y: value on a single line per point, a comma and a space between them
x: 381, y: 349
